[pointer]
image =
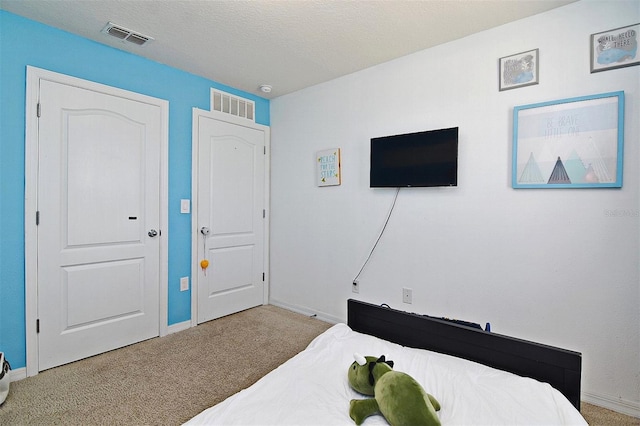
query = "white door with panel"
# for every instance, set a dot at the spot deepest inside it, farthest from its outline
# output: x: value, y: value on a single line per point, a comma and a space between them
x: 230, y: 216
x: 99, y: 214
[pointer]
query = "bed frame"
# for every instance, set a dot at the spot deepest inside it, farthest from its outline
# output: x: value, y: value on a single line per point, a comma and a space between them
x: 560, y: 368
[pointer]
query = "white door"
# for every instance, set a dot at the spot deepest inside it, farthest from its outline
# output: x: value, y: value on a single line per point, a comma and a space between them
x: 99, y: 214
x: 231, y: 209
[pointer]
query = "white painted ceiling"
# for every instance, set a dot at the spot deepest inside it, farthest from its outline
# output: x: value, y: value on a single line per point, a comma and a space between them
x: 284, y: 43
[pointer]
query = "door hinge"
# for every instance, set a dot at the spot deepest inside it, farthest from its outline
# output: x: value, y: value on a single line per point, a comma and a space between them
x: 38, y: 110
x: 265, y: 150
x: 264, y: 213
x: 37, y: 326
x: 263, y: 276
x: 37, y: 218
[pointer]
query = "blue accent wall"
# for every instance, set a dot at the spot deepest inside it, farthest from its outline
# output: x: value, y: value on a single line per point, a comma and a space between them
x: 24, y: 42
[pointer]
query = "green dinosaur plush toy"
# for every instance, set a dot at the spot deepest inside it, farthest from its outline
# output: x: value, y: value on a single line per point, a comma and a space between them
x: 397, y: 396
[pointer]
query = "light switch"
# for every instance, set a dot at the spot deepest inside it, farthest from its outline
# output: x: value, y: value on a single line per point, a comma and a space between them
x: 185, y: 206
x: 184, y: 283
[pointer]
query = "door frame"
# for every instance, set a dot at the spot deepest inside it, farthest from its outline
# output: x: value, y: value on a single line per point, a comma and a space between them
x: 34, y: 75
x: 195, y: 235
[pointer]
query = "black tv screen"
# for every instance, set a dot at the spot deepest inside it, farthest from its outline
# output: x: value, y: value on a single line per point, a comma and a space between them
x: 419, y: 159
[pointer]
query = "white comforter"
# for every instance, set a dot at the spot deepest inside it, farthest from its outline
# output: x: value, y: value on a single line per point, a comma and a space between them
x: 312, y: 389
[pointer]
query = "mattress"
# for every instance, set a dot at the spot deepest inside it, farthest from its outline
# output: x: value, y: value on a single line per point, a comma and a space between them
x: 312, y: 389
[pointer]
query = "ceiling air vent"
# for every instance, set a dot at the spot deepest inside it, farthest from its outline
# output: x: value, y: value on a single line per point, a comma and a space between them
x: 234, y: 105
x: 125, y: 34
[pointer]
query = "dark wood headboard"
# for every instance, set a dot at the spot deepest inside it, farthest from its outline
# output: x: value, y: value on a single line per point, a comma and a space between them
x: 560, y: 368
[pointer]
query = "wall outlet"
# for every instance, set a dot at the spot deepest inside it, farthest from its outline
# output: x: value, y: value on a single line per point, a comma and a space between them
x: 184, y: 283
x: 407, y: 295
x: 355, y: 287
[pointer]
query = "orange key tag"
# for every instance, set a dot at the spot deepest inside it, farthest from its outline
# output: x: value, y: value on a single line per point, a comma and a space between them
x: 204, y: 264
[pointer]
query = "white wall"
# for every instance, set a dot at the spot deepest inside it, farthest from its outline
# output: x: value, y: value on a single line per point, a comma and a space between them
x: 554, y: 266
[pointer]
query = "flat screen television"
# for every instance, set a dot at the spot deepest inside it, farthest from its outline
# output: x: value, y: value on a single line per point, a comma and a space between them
x: 420, y: 159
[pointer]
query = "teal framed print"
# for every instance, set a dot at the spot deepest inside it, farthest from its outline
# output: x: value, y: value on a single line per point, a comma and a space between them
x: 569, y: 143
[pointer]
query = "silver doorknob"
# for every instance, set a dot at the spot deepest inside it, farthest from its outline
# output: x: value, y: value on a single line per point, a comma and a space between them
x: 152, y: 233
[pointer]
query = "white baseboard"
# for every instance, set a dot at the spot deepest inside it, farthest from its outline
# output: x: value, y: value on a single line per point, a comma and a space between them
x: 18, y: 374
x: 618, y: 405
x: 306, y: 311
x: 174, y: 328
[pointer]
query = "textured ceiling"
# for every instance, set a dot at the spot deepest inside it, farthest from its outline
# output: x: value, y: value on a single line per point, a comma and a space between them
x: 287, y: 44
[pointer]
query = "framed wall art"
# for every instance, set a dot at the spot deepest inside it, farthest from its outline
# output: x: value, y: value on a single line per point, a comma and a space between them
x: 518, y: 70
x: 569, y: 143
x: 615, y: 48
x: 328, y: 167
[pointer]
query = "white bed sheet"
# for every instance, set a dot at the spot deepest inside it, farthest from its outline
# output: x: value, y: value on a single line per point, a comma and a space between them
x: 312, y: 389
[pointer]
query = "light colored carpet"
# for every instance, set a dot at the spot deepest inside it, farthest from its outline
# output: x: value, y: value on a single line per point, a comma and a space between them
x: 598, y: 416
x: 163, y: 381
x: 166, y: 381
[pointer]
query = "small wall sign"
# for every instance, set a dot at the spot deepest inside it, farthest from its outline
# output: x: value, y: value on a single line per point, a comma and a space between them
x: 519, y: 70
x: 615, y: 48
x: 328, y: 167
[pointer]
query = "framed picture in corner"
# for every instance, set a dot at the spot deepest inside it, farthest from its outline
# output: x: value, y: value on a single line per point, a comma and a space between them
x: 615, y: 48
x: 569, y: 143
x: 518, y: 70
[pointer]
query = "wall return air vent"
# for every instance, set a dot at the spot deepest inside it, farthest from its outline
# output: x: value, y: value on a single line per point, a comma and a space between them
x: 234, y: 105
x: 126, y: 35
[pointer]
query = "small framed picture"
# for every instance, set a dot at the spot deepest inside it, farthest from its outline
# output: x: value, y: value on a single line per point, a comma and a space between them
x: 616, y: 48
x: 328, y: 167
x: 519, y: 70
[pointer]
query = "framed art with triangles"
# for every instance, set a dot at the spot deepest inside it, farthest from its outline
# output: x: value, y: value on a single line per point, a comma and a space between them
x: 569, y: 143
